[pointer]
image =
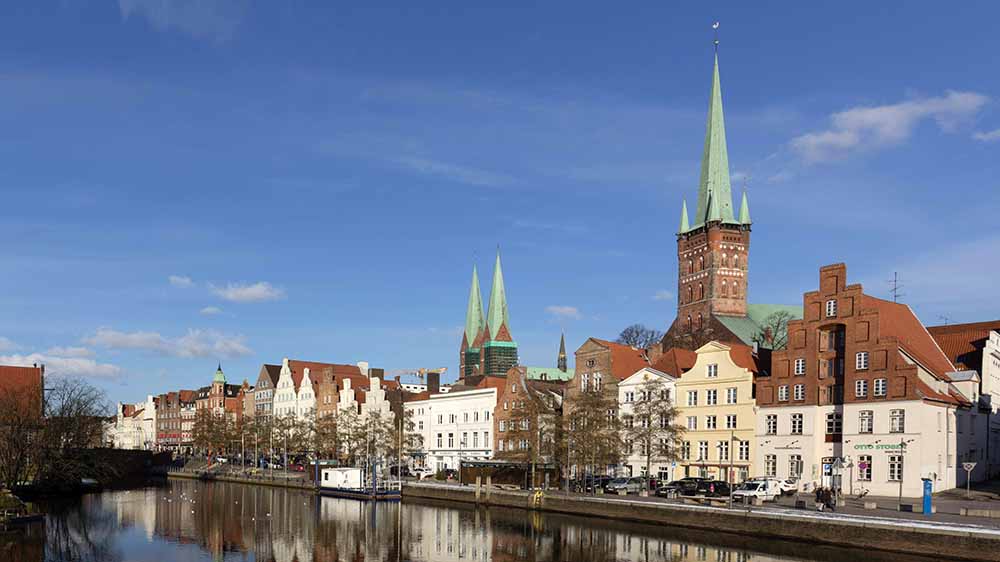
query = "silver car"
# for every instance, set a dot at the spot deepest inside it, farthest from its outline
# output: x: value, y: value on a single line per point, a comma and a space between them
x: 631, y: 485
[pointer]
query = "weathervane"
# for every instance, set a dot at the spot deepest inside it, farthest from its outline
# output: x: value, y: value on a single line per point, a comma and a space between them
x: 715, y: 26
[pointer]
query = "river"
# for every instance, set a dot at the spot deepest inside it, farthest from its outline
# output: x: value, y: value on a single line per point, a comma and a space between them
x: 190, y: 521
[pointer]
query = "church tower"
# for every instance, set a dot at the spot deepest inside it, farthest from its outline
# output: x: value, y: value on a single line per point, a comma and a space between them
x: 500, y: 351
x: 561, y: 360
x: 713, y: 245
x: 470, y: 352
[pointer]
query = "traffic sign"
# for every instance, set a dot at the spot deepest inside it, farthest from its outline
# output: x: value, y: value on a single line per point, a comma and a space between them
x: 862, y: 465
x: 969, y: 466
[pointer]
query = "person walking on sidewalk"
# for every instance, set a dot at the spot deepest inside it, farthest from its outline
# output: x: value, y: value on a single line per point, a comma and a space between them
x: 819, y: 498
x: 828, y: 499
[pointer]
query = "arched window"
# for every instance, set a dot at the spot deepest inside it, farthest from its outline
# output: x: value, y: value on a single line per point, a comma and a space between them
x: 690, y: 294
x: 701, y: 263
x: 736, y: 289
x: 700, y: 325
x: 690, y: 268
x: 725, y: 260
x: 701, y: 292
x: 736, y: 261
x: 689, y: 322
x: 725, y: 288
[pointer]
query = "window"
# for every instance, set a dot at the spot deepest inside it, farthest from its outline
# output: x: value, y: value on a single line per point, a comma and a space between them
x: 800, y: 392
x: 486, y: 439
x: 713, y: 371
x: 686, y: 450
x: 834, y: 423
x: 897, y: 421
x: 465, y: 440
x: 451, y: 440
x: 861, y: 361
x: 630, y: 396
x: 711, y: 397
x: 628, y: 421
x: 731, y: 421
x: 500, y: 445
x: 710, y: 422
x: 451, y: 418
x: 502, y: 426
x: 865, y: 468
x: 770, y: 465
x: 723, y: 450
x: 692, y: 398
x: 744, y: 454
x: 465, y: 417
x: 879, y: 387
x: 692, y: 422
x: 796, y: 424
x: 895, y: 468
x: 439, y: 441
x: 486, y: 416
x: 771, y: 424
x: 597, y: 381
x: 794, y: 466
x: 703, y: 450
x: 831, y: 308
x: 866, y: 421
x: 861, y: 388
x: 800, y: 366
x: 731, y: 395
x: 585, y: 382
x: 783, y: 393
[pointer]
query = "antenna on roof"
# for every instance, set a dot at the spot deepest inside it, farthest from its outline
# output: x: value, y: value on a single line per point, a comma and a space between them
x: 945, y: 318
x: 895, y: 287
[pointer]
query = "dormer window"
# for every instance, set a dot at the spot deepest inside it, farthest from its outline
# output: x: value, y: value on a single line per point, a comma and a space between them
x: 831, y: 308
x: 713, y: 371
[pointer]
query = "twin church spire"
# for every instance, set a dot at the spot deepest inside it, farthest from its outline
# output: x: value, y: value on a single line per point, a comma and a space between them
x: 487, y: 345
x: 715, y: 199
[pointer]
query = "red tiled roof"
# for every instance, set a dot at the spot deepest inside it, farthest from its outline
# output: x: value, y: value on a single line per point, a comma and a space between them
x: 273, y: 373
x: 675, y: 361
x: 493, y: 382
x: 188, y: 395
x: 340, y: 372
x: 899, y: 321
x: 963, y: 343
x: 414, y: 396
x: 743, y: 356
x: 625, y: 359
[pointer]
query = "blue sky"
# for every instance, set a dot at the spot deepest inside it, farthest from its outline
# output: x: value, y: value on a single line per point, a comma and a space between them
x: 193, y: 181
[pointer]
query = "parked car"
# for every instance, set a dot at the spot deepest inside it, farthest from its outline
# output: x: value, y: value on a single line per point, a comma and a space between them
x: 685, y: 486
x: 712, y: 488
x: 422, y: 472
x: 221, y: 460
x: 631, y: 485
x: 766, y: 490
x: 594, y: 483
x: 782, y: 486
x: 789, y: 486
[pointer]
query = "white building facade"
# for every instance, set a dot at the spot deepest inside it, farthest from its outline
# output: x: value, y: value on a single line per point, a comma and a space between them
x: 631, y: 391
x: 455, y: 426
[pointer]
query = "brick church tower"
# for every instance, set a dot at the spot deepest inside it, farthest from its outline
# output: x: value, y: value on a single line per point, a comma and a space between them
x: 713, y: 245
x: 487, y: 348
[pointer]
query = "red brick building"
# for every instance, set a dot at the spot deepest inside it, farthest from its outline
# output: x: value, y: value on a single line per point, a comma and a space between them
x: 23, y: 388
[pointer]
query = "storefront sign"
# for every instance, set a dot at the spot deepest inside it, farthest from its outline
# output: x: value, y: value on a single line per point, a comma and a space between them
x: 870, y: 446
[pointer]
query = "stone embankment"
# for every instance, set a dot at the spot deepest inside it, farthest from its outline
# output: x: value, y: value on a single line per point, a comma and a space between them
x: 948, y: 541
x: 211, y: 476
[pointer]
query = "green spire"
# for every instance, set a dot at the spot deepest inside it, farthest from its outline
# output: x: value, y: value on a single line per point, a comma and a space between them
x: 474, y: 314
x: 497, y: 315
x: 219, y: 375
x: 744, y: 210
x: 715, y: 200
x: 684, y: 217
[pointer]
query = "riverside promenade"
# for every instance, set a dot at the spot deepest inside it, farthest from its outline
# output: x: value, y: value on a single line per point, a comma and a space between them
x: 901, y: 533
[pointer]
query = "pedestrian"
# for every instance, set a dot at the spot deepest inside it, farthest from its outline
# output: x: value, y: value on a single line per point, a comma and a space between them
x: 828, y: 497
x: 819, y: 498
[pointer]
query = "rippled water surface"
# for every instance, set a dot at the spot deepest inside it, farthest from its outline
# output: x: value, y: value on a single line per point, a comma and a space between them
x: 187, y: 521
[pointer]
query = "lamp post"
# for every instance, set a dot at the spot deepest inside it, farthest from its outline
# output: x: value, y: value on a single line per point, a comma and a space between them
x: 902, y: 466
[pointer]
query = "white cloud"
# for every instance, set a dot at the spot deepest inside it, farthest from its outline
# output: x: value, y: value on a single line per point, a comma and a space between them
x: 663, y: 295
x: 180, y: 281
x: 7, y: 345
x: 862, y: 128
x: 988, y: 136
x: 64, y: 366
x: 196, y: 343
x: 455, y: 172
x: 69, y: 352
x: 241, y: 292
x: 564, y: 312
x: 211, y: 310
x: 203, y: 19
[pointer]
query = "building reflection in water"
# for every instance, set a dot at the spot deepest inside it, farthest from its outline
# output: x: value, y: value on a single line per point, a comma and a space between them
x: 193, y: 521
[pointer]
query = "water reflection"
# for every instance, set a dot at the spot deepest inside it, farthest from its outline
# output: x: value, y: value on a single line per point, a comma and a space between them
x: 186, y: 521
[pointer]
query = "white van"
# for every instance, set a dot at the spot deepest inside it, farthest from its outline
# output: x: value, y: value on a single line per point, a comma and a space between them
x: 766, y: 490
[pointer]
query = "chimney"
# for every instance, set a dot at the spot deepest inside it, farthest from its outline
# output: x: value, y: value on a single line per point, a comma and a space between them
x: 433, y: 382
x: 363, y: 365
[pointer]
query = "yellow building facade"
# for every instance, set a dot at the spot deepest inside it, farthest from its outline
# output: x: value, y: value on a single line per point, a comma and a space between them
x: 716, y: 405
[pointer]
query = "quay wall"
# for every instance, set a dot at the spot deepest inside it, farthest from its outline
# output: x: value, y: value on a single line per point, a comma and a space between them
x: 294, y: 483
x: 901, y: 536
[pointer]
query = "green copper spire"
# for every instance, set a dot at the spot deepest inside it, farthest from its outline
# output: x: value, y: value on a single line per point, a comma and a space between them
x: 219, y: 375
x: 497, y: 315
x: 684, y: 217
x: 715, y: 200
x: 474, y: 314
x: 744, y: 210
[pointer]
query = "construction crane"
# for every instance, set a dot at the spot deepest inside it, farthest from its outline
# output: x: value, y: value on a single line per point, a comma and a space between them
x: 419, y: 373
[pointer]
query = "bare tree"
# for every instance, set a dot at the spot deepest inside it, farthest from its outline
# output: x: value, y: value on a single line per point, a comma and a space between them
x: 651, y: 424
x: 593, y: 430
x: 773, y: 332
x: 639, y: 336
